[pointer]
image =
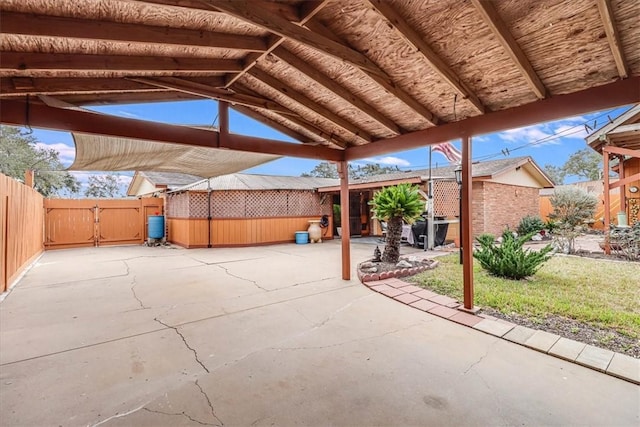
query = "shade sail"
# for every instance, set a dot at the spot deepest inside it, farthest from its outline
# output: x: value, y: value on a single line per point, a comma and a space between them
x: 106, y: 153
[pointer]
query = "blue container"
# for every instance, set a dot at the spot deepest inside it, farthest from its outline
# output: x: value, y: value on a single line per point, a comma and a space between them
x: 302, y: 237
x: 156, y: 226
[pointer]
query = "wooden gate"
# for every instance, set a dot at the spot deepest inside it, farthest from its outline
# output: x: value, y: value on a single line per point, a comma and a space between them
x: 71, y: 223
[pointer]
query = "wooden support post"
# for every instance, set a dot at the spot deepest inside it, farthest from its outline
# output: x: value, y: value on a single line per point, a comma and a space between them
x: 607, y: 201
x: 223, y: 118
x: 623, y: 195
x: 343, y: 172
x: 467, y: 229
x: 29, y: 178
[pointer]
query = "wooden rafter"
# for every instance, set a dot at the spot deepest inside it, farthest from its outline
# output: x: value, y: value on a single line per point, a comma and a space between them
x: 412, y: 37
x: 254, y: 14
x: 12, y: 87
x: 38, y: 25
x: 510, y: 45
x: 302, y: 99
x: 28, y: 62
x: 336, y: 89
x: 384, y: 81
x: 305, y: 14
x: 613, y: 37
x: 206, y: 91
x: 299, y: 121
x: 256, y: 115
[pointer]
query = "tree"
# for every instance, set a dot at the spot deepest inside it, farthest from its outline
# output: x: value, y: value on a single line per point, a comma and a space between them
x: 395, y: 204
x: 555, y: 173
x: 19, y: 153
x: 584, y: 163
x: 324, y: 170
x: 330, y: 170
x: 103, y: 186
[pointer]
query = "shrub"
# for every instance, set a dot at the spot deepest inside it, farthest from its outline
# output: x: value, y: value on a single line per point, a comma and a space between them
x: 530, y: 224
x: 572, y: 206
x: 509, y: 259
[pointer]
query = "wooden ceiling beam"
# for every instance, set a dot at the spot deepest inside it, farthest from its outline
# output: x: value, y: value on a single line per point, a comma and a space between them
x: 336, y: 89
x: 302, y: 99
x: 384, y: 81
x: 12, y: 87
x: 25, y: 62
x: 126, y: 98
x: 622, y: 92
x: 53, y: 26
x: 613, y: 37
x: 43, y: 116
x: 254, y: 14
x: 503, y: 34
x: 327, y: 137
x: 252, y: 59
x: 259, y: 117
x: 414, y: 39
x: 199, y: 89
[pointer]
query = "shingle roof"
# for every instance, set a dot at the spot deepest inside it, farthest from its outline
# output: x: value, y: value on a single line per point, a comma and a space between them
x: 239, y: 181
x: 479, y: 169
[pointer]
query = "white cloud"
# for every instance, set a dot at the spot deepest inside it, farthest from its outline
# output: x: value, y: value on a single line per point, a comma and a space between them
x: 66, y: 152
x: 526, y: 134
x: 389, y: 160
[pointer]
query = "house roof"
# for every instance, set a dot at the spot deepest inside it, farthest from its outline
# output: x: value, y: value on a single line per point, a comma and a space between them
x: 160, y: 179
x: 480, y: 170
x: 622, y: 132
x: 240, y: 181
x: 365, y: 76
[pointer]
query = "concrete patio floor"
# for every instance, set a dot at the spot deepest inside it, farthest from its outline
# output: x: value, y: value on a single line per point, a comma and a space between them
x: 266, y: 335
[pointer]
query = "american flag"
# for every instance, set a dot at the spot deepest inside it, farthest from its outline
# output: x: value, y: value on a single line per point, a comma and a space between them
x: 448, y: 150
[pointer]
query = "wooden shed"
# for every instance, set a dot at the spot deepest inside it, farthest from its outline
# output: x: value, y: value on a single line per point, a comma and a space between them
x: 245, y: 210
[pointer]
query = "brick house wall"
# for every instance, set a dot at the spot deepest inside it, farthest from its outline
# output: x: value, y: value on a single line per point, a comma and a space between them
x: 497, y: 206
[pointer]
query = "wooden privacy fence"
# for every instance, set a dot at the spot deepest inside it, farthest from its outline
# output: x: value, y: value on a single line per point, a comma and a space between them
x: 72, y: 223
x: 21, y: 228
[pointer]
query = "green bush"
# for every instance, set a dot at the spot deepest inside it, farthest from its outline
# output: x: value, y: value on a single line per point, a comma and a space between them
x: 509, y: 259
x: 530, y: 224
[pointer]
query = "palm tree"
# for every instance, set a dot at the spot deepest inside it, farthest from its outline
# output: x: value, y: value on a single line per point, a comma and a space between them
x: 395, y: 204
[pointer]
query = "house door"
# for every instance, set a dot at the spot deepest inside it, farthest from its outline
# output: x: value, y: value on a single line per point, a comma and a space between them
x: 355, y: 220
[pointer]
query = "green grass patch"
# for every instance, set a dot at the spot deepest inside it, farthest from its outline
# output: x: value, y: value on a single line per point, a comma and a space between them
x: 597, y: 292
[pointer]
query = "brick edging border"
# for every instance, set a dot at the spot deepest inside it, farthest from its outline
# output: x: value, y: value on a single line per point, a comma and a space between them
x: 400, y: 272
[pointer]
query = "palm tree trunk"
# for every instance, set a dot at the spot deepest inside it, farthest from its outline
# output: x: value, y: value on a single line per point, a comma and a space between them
x: 394, y: 234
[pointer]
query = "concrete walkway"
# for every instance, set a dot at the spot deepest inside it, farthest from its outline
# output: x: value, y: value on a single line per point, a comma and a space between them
x: 264, y: 336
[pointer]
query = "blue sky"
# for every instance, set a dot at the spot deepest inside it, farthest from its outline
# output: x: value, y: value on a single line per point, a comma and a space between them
x: 548, y: 143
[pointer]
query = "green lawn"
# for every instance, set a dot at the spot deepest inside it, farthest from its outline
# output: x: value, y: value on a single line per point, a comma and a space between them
x: 598, y: 292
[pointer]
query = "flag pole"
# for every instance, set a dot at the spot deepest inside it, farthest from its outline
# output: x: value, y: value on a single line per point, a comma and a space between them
x: 430, y: 228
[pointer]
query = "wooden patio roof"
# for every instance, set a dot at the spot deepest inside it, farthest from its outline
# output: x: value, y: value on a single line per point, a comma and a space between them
x: 348, y: 78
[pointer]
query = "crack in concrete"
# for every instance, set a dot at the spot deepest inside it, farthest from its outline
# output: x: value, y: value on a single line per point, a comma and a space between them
x: 124, y: 414
x: 206, y: 396
x: 474, y: 364
x: 226, y: 270
x: 179, y: 414
x: 222, y: 262
x: 184, y: 340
